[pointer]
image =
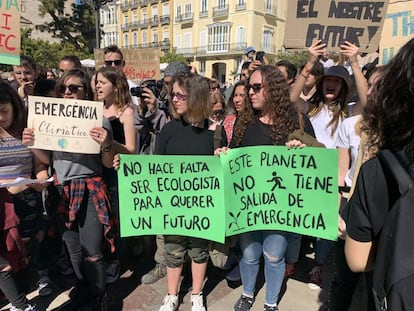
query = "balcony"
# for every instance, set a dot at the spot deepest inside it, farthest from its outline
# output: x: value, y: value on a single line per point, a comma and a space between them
x: 165, y: 0
x: 144, y: 3
x: 154, y: 21
x: 125, y: 27
x: 165, y: 19
x: 185, y: 18
x: 153, y: 1
x: 214, y: 50
x: 270, y: 10
x: 203, y: 14
x: 241, y: 6
x: 133, y: 25
x: 134, y: 4
x: 125, y: 6
x: 220, y: 11
x: 165, y: 45
x: 143, y: 23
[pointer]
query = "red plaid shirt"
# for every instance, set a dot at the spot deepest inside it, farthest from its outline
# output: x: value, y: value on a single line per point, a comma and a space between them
x: 73, y: 195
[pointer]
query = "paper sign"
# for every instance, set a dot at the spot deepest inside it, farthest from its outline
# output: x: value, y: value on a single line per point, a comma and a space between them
x: 10, y: 32
x: 252, y: 188
x: 359, y: 22
x: 276, y: 188
x: 181, y: 195
x: 63, y: 124
x: 398, y: 29
x: 140, y: 64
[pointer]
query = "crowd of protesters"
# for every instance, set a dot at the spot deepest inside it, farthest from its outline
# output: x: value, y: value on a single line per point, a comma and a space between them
x: 181, y: 116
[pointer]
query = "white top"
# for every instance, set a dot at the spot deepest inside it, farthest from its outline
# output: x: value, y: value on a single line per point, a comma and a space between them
x: 322, y: 131
x: 348, y: 139
x: 134, y: 98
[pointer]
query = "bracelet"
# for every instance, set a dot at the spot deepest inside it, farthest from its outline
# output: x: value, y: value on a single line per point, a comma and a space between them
x: 107, y: 149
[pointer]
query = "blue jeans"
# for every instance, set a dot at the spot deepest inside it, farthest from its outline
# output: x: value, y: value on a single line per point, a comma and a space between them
x: 272, y: 244
x: 293, y: 248
x: 323, y: 249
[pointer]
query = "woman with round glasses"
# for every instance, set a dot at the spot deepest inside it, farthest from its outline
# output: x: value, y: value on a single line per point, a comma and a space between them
x: 269, y: 120
x: 187, y: 134
x: 85, y: 209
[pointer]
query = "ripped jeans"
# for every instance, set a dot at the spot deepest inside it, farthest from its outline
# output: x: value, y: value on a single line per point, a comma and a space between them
x: 272, y: 244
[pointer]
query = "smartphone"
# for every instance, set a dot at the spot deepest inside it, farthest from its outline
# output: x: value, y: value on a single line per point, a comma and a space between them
x: 259, y: 56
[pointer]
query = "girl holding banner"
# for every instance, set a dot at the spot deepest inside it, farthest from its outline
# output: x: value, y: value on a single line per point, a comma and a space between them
x: 187, y: 134
x: 270, y: 122
x: 85, y: 209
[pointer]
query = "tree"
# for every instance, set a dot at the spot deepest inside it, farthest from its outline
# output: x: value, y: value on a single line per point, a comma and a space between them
x: 172, y: 56
x: 297, y: 58
x: 77, y: 28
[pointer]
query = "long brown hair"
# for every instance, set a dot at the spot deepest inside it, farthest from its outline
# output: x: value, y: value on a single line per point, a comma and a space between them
x: 9, y: 96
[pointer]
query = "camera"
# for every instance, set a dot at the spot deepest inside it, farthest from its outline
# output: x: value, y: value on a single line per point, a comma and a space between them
x: 153, y: 85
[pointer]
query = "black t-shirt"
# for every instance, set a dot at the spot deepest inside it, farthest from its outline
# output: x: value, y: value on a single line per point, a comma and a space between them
x: 180, y: 138
x: 257, y: 134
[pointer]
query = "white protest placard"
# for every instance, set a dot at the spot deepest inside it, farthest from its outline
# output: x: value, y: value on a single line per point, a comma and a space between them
x: 359, y: 22
x: 63, y: 124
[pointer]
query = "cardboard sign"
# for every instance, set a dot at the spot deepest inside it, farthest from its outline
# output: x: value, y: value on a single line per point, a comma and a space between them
x: 276, y: 188
x: 359, y: 22
x: 64, y: 124
x: 10, y: 32
x: 398, y: 29
x: 248, y: 189
x: 181, y: 195
x: 140, y: 64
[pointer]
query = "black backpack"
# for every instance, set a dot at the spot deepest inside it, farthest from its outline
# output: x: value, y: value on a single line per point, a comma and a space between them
x: 393, y: 280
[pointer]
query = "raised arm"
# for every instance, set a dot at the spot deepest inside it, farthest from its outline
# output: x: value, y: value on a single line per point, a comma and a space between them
x: 350, y: 51
x: 317, y: 49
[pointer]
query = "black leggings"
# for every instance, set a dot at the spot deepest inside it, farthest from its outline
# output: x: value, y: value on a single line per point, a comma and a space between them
x: 9, y: 288
x: 84, y: 240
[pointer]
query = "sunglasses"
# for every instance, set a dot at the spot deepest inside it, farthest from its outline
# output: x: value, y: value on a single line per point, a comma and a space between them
x: 215, y: 88
x: 73, y: 88
x: 179, y: 96
x: 116, y: 62
x: 255, y: 86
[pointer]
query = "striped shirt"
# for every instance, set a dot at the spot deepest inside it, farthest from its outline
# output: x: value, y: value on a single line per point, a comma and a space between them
x: 16, y: 160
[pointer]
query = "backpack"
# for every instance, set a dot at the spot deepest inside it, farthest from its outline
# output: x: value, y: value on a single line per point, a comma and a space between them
x: 393, y: 279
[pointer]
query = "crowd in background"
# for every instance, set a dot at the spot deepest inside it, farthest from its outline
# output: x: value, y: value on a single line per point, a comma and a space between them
x: 71, y: 225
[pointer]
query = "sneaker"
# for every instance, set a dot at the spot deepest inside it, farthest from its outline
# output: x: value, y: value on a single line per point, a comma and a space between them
x: 270, y: 308
x: 197, y: 302
x: 315, y: 278
x: 243, y: 304
x: 170, y: 303
x: 234, y: 274
x: 28, y: 308
x: 112, y: 272
x: 43, y: 286
x: 155, y: 274
x: 290, y: 269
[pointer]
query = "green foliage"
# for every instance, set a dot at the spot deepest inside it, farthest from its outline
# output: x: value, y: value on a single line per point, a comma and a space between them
x: 47, y: 54
x: 77, y: 28
x: 171, y: 56
x: 297, y: 58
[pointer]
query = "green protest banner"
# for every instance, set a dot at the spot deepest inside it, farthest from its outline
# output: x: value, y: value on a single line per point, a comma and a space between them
x: 10, y: 32
x: 251, y: 188
x: 180, y: 195
x: 270, y: 187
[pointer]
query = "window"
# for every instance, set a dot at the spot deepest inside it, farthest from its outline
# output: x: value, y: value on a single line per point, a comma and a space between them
x: 166, y: 9
x: 269, y: 6
x: 203, y: 6
x: 188, y: 8
x: 165, y: 36
x: 154, y: 11
x: 135, y: 40
x: 202, y: 66
x: 177, y: 42
x: 203, y: 41
x: 218, y: 37
x: 267, y: 39
x: 240, y: 37
x: 144, y: 39
x: 155, y: 38
x: 126, y: 40
x: 221, y: 4
x: 241, y: 2
x: 187, y: 40
x: 178, y: 10
x: 144, y: 16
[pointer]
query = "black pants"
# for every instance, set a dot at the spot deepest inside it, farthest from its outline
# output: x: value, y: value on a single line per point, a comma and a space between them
x: 9, y: 287
x: 84, y: 239
x: 345, y: 281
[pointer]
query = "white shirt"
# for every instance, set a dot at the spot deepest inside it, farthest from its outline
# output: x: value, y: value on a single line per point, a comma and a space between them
x: 322, y: 131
